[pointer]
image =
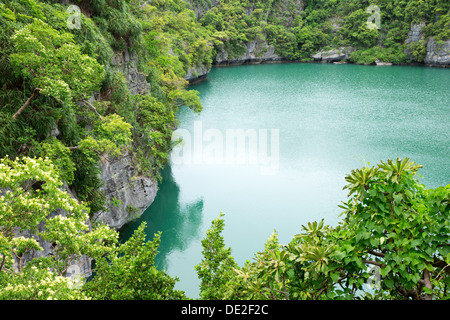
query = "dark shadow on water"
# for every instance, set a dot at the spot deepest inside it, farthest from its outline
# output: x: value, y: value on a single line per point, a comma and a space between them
x: 178, y: 222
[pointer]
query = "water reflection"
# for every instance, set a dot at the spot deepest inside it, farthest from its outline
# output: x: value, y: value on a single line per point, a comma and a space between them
x: 178, y: 221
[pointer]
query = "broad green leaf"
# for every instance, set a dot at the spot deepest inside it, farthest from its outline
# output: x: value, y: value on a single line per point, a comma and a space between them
x: 389, y: 282
x: 384, y: 271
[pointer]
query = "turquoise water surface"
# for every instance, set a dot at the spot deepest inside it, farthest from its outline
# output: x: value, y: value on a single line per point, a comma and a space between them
x: 305, y: 126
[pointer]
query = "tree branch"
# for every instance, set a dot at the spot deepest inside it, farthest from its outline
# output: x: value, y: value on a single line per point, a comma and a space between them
x: 374, y: 263
x: 270, y: 289
x: 35, y: 93
x: 407, y: 294
x: 443, y: 269
x: 92, y: 107
x: 285, y: 291
x: 378, y: 254
x: 3, y: 262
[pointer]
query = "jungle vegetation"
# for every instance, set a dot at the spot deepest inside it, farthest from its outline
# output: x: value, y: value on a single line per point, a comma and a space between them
x: 65, y: 107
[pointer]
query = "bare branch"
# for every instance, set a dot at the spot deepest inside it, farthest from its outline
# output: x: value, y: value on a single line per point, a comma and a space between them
x: 378, y: 254
x: 35, y: 93
x: 443, y: 269
x: 92, y: 107
x: 3, y: 262
x: 374, y: 263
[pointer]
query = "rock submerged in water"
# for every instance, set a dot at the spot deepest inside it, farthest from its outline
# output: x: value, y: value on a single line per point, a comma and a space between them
x: 340, y: 62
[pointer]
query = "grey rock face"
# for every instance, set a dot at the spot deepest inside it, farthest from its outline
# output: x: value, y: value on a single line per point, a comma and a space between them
x: 415, y: 34
x: 438, y: 54
x: 333, y: 55
x: 196, y: 74
x: 256, y: 52
x: 383, y: 63
x: 127, y: 194
x: 127, y: 64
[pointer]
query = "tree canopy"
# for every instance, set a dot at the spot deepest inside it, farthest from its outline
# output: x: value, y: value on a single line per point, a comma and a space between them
x: 392, y: 243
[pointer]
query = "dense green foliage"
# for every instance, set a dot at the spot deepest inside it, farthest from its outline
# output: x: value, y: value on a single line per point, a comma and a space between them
x: 33, y: 191
x: 393, y: 236
x: 49, y: 73
x: 129, y: 273
x: 298, y: 32
x: 65, y: 106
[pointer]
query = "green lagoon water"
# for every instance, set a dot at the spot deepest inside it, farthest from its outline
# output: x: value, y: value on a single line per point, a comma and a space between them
x: 313, y: 123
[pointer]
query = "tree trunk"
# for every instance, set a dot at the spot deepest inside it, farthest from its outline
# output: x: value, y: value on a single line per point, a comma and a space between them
x: 427, y: 283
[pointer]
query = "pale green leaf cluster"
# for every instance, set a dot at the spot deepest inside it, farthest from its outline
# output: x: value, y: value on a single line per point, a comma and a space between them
x: 110, y: 136
x: 39, y: 283
x: 31, y: 194
x: 54, y: 63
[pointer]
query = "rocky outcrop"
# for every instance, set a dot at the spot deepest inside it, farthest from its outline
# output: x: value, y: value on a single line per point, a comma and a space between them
x: 127, y: 193
x: 334, y: 55
x: 197, y: 74
x: 415, y: 38
x: 383, y: 63
x: 438, y: 54
x: 127, y: 64
x: 415, y: 34
x: 256, y: 52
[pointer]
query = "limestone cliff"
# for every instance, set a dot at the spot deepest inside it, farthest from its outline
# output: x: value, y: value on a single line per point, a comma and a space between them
x: 128, y: 194
x: 257, y: 51
x: 197, y: 73
x: 437, y: 52
x: 334, y: 55
x: 127, y: 64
